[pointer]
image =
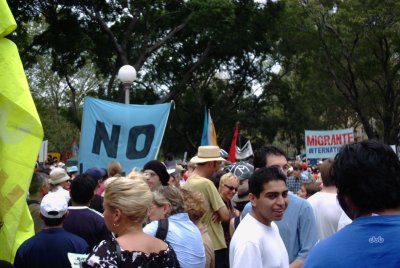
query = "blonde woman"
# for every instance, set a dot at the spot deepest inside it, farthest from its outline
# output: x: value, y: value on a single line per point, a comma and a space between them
x: 126, y: 202
x: 228, y: 186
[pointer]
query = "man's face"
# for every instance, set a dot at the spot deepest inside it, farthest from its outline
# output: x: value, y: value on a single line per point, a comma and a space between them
x: 212, y: 168
x: 217, y: 166
x: 272, y: 202
x: 152, y: 179
x: 278, y: 161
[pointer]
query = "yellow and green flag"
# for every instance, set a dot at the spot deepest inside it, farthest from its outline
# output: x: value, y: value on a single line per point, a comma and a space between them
x: 21, y: 135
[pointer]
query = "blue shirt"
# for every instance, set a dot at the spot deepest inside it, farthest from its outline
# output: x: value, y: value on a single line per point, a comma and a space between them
x: 371, y: 241
x: 185, y: 238
x: 297, y: 227
x: 49, y: 248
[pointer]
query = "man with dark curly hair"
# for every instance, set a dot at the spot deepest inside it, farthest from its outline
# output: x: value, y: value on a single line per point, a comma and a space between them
x: 367, y: 178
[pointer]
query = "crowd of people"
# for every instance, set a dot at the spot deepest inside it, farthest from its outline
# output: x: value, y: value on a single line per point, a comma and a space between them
x: 342, y: 212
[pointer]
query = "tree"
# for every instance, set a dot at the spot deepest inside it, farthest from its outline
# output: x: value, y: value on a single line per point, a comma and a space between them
x: 359, y: 53
x: 59, y: 110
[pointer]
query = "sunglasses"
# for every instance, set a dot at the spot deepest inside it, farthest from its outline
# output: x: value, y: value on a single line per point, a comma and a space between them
x: 231, y: 188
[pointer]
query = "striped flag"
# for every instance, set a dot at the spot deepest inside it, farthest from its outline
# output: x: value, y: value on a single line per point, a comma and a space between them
x: 21, y: 136
x: 209, y: 136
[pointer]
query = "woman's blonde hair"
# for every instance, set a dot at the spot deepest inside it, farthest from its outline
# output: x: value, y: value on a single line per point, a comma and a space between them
x: 169, y: 195
x: 135, y: 174
x: 225, y: 178
x: 196, y: 204
x: 132, y: 197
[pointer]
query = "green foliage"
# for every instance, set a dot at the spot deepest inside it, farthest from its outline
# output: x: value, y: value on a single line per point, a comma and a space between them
x: 338, y: 64
x: 213, y: 17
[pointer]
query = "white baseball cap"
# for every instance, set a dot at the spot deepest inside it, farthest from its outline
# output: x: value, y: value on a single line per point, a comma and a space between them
x: 53, y: 206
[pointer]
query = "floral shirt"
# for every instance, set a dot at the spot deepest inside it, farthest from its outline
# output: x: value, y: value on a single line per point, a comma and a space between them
x: 105, y: 255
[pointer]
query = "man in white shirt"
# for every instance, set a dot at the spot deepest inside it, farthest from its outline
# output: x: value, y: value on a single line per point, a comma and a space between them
x: 326, y: 208
x: 256, y: 242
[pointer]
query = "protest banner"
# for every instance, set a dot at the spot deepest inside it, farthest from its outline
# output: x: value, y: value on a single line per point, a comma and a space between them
x: 130, y: 134
x: 326, y: 144
x: 21, y: 136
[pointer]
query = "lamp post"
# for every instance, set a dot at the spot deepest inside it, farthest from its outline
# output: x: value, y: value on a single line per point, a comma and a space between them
x: 127, y: 74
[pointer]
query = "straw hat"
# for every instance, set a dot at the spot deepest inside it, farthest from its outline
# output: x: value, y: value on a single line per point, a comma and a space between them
x: 207, y: 154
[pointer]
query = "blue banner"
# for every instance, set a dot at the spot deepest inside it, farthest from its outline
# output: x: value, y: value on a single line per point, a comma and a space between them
x: 130, y: 134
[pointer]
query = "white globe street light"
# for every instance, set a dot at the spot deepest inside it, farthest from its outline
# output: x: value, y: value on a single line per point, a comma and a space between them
x: 127, y: 74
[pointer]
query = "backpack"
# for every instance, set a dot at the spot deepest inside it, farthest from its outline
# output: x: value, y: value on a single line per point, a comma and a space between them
x: 162, y: 229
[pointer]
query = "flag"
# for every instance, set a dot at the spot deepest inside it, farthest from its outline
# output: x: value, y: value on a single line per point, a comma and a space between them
x: 204, y: 135
x: 21, y: 136
x: 244, y: 152
x: 209, y: 136
x: 132, y: 138
x: 232, y: 150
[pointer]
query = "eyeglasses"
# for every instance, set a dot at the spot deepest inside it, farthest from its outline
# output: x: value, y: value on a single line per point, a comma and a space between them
x: 231, y: 188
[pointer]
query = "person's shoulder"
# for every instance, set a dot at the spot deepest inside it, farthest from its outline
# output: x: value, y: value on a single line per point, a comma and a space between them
x: 196, y: 179
x: 246, y: 222
x: 199, y: 183
x: 181, y: 223
x: 274, y: 226
x: 297, y: 204
x: 95, y: 213
x: 104, y: 244
x: 314, y: 198
x: 29, y: 242
x: 73, y: 237
x: 168, y: 258
x: 294, y: 199
x: 326, y: 246
x: 323, y: 198
x: 320, y: 254
x: 86, y: 213
x: 157, y: 245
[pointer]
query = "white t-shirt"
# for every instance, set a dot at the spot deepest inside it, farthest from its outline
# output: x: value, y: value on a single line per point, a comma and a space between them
x: 256, y: 245
x: 327, y: 213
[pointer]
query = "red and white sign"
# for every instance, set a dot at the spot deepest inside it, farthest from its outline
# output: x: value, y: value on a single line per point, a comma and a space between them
x: 326, y: 144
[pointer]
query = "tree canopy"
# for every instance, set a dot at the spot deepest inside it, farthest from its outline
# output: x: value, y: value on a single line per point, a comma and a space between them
x: 278, y: 67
